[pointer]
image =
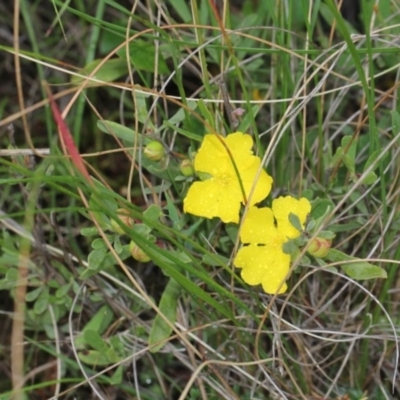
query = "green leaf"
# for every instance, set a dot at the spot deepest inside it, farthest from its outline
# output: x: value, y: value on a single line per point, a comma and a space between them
x: 357, y: 268
x: 117, y: 376
x: 121, y: 132
x: 173, y: 213
x: 112, y: 356
x: 336, y: 158
x: 99, y: 323
x: 321, y: 208
x: 248, y: 119
x: 370, y: 178
x: 98, y: 243
x: 180, y: 115
x: 205, y: 112
x: 153, y: 213
x: 12, y: 275
x: 188, y: 134
x: 94, y: 357
x: 160, y: 330
x: 96, y: 258
x: 143, y: 56
x: 108, y: 72
x: 291, y: 248
x: 295, y: 221
x: 215, y: 260
x: 63, y: 290
x: 117, y: 244
x: 349, y: 145
x: 42, y: 301
x: 94, y: 340
x: 97, y: 211
x: 92, y: 231
x: 327, y: 235
x: 349, y: 163
x: 33, y: 294
x: 181, y: 7
x: 141, y: 229
x: 363, y: 270
x: 371, y: 160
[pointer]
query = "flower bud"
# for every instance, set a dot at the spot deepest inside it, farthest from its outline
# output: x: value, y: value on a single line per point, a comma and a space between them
x: 124, y: 216
x: 319, y: 247
x: 186, y: 167
x: 154, y: 150
x: 137, y: 253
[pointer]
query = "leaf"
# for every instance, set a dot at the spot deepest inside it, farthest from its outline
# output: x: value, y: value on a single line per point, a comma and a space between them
x: 363, y: 270
x: 94, y: 340
x: 295, y: 221
x: 349, y: 145
x: 62, y: 291
x: 370, y: 178
x: 96, y: 258
x: 215, y: 260
x: 173, y: 213
x: 42, y: 301
x: 188, y: 134
x: 117, y: 376
x: 101, y: 320
x: 349, y: 163
x: 327, y: 235
x: 33, y: 294
x: 121, y: 132
x: 356, y: 269
x: 180, y: 115
x: 108, y: 72
x: 143, y: 56
x: 94, y: 357
x: 98, y: 243
x: 321, y: 208
x: 182, y: 9
x: 371, y: 160
x: 161, y: 330
x: 97, y: 211
x: 153, y: 213
x: 248, y: 119
x: 205, y: 112
x: 99, y: 323
x: 91, y: 231
x: 117, y: 244
x: 12, y: 275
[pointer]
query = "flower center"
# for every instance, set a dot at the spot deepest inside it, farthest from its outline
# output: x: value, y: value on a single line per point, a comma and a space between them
x: 224, y: 179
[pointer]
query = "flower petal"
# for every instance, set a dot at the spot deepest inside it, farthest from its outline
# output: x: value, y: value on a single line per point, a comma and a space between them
x: 258, y: 226
x: 212, y: 156
x: 283, y: 206
x: 240, y: 145
x: 262, y: 185
x: 265, y: 265
x: 222, y: 193
x: 209, y: 199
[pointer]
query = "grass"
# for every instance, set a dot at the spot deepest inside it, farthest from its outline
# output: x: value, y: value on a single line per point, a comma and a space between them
x: 318, y: 93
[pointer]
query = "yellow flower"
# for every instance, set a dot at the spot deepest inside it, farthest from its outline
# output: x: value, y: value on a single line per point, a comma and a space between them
x: 283, y: 206
x: 265, y: 230
x: 221, y: 194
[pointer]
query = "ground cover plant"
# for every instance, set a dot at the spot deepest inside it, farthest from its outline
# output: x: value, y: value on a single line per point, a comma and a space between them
x: 199, y: 200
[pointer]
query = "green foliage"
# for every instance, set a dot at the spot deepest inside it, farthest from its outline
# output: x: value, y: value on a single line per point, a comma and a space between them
x: 318, y: 94
x: 161, y: 329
